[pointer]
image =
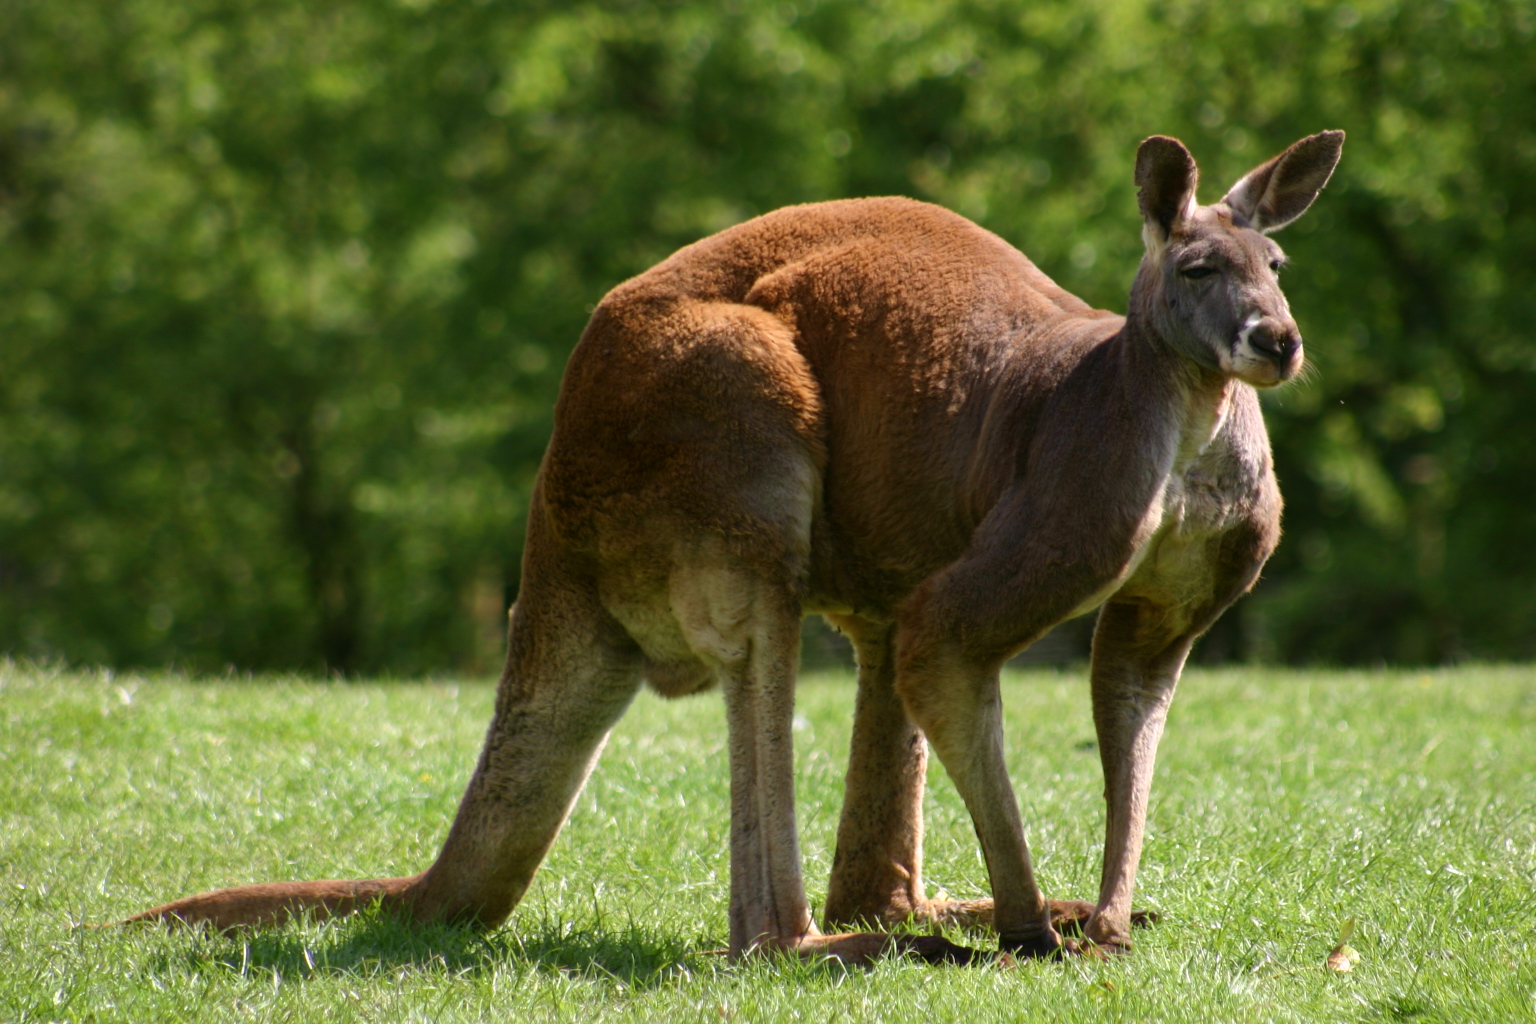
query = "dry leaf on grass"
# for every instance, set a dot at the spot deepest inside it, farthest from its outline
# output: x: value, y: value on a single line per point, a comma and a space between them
x: 1342, y: 959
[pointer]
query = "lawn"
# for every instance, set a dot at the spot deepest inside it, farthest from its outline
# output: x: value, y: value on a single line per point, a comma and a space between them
x: 1286, y: 803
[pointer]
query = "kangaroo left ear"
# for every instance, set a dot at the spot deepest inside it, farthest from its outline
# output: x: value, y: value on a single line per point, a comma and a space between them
x: 1279, y: 190
x: 1166, y: 177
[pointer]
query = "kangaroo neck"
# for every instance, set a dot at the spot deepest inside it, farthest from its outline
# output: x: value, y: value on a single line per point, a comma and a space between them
x: 1197, y: 399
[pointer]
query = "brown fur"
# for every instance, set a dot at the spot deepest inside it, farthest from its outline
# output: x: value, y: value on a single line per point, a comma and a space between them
x: 877, y: 411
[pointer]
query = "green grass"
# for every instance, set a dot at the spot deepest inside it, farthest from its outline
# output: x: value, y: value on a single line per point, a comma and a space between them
x: 1286, y: 802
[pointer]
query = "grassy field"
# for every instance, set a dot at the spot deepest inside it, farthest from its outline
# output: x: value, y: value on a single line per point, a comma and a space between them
x: 1286, y: 803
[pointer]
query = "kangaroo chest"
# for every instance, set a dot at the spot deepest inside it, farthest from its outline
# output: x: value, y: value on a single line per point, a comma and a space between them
x: 1206, y: 496
x: 1212, y: 487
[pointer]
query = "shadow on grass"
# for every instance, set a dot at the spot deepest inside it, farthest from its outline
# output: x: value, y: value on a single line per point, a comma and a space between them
x: 376, y: 944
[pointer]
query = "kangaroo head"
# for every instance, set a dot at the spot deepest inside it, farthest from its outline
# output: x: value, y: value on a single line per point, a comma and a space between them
x: 1209, y: 283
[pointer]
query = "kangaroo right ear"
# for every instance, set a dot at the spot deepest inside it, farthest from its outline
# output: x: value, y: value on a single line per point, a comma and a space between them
x: 1166, y: 177
x: 1279, y: 190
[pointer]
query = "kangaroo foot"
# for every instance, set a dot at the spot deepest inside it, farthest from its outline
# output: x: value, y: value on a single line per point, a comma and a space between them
x: 1070, y: 916
x: 866, y: 947
x: 972, y: 915
x: 1048, y: 945
x: 1067, y: 916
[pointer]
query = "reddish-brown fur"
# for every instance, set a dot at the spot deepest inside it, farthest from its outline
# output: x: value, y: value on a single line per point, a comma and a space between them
x: 877, y: 411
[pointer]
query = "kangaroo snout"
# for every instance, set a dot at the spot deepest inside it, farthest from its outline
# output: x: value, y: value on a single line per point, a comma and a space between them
x: 1275, y: 340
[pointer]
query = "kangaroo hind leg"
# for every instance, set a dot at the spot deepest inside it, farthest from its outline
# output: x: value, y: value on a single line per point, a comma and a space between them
x: 877, y: 868
x: 747, y: 627
x: 747, y: 624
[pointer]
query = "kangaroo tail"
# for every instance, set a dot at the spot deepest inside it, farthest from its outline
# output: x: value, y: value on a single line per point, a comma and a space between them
x: 273, y: 903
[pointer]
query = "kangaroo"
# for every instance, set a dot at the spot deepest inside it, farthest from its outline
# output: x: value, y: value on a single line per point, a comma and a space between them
x: 877, y: 411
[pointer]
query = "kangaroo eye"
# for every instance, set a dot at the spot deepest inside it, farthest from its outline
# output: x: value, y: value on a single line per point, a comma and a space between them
x: 1197, y: 273
x: 1275, y: 265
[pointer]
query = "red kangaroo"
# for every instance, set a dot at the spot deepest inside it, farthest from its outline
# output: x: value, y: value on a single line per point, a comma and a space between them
x: 876, y: 411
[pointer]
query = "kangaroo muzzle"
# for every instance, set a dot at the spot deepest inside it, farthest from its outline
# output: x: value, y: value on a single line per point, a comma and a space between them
x: 1272, y: 340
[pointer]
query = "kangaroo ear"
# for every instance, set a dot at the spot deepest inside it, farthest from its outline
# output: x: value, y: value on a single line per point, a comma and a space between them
x: 1278, y: 191
x: 1166, y: 177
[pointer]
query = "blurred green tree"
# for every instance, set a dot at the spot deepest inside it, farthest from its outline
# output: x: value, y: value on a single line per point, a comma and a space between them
x: 285, y: 288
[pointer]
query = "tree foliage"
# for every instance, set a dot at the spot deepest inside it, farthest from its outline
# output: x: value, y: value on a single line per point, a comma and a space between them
x: 285, y: 288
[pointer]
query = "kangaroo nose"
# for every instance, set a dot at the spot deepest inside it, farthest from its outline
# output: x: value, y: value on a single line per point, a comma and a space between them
x: 1276, y: 339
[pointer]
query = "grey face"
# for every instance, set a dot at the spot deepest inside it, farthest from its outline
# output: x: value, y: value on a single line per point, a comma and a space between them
x: 1209, y: 282
x: 1220, y: 301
